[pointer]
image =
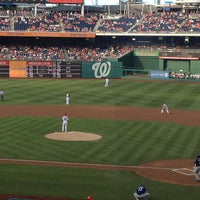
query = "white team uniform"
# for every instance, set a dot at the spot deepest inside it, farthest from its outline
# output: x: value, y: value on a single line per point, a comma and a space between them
x: 67, y: 98
x: 106, y: 82
x: 164, y: 107
x: 64, y: 123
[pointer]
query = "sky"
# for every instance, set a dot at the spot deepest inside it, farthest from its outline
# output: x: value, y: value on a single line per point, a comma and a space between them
x: 102, y: 2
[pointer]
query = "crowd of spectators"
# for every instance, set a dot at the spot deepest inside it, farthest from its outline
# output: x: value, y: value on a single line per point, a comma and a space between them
x: 96, y: 53
x: 82, y: 51
x: 75, y: 22
x: 121, y: 24
x: 160, y: 22
x: 56, y: 21
x: 48, y: 21
x: 71, y: 53
x: 191, y: 23
x: 21, y: 52
x: 4, y: 23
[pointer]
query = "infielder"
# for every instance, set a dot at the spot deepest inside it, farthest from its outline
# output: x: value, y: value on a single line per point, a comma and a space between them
x: 64, y: 122
x: 141, y: 193
x: 164, y: 107
x: 67, y: 98
x: 197, y: 168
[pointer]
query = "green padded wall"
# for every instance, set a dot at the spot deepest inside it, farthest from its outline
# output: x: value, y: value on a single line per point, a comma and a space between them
x: 195, y: 66
x: 102, y: 69
x: 146, y: 62
x: 177, y: 65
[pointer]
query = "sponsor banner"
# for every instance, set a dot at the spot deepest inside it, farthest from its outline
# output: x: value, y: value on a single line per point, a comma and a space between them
x: 179, y: 55
x: 156, y: 74
x: 4, y: 62
x: 17, y: 69
x: 102, y: 69
x: 47, y: 34
x: 178, y: 58
x: 39, y: 63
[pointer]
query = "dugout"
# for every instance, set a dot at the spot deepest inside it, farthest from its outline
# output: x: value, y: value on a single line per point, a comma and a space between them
x: 171, y: 61
x: 174, y: 61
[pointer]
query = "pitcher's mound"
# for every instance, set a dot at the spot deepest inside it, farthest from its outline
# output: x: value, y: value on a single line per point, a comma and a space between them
x: 73, y: 136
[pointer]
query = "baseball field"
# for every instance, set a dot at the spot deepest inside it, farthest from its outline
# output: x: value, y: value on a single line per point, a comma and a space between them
x: 138, y: 145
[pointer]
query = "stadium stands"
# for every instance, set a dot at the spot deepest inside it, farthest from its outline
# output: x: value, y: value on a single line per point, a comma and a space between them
x: 58, y: 21
x: 65, y: 21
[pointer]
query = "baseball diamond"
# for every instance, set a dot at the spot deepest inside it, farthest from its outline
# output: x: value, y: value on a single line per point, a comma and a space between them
x: 137, y: 144
x: 177, y: 171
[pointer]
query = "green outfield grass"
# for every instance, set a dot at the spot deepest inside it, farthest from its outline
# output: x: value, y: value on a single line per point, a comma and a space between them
x: 124, y: 142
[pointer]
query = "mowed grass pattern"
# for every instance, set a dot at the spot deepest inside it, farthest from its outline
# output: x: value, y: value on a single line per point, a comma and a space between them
x: 179, y: 95
x: 123, y: 142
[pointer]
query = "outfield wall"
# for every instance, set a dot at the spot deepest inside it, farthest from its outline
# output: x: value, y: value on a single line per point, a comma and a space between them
x: 60, y: 69
x: 151, y: 60
x: 102, y: 69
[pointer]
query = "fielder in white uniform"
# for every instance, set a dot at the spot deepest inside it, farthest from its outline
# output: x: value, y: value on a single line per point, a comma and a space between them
x: 164, y: 107
x: 106, y: 82
x: 64, y: 122
x: 67, y: 98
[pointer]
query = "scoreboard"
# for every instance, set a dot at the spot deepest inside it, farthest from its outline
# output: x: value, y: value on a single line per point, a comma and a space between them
x: 4, y: 69
x: 49, y: 69
x: 41, y: 71
x: 45, y: 69
x: 69, y: 69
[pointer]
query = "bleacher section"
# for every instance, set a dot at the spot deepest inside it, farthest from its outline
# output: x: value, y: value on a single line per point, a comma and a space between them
x: 59, y: 21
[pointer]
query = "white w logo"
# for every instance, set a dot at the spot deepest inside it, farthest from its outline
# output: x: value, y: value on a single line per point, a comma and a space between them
x: 101, y: 69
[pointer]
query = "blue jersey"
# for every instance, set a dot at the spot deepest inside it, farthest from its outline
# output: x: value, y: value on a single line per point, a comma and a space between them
x: 197, y: 162
x: 141, y: 190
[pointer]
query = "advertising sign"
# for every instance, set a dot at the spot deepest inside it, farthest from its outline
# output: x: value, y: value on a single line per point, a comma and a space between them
x: 156, y: 74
